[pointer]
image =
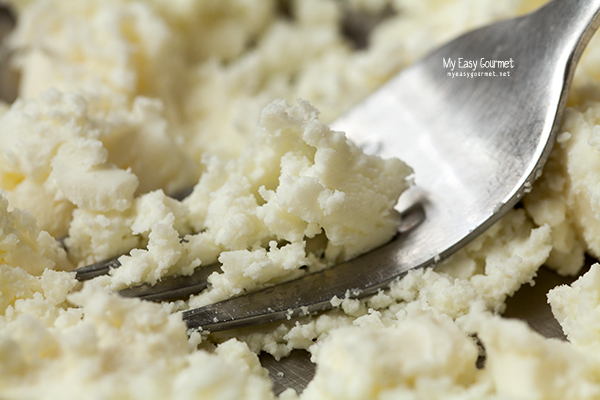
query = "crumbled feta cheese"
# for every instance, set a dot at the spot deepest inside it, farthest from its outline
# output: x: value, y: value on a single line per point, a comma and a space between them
x: 123, y: 103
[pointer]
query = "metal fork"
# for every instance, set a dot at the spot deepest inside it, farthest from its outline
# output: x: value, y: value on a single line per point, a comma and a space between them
x: 476, y: 145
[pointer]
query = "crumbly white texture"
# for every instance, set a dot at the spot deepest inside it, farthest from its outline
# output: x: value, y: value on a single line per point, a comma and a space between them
x: 152, y: 96
x: 70, y: 346
x: 423, y: 357
x: 67, y: 151
x: 576, y: 308
x: 60, y: 342
x: 301, y: 196
x: 486, y: 272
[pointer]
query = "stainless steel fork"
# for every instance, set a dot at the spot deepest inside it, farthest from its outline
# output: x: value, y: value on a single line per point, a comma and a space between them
x: 476, y: 137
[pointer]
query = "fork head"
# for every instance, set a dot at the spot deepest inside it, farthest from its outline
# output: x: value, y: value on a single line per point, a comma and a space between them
x: 476, y: 140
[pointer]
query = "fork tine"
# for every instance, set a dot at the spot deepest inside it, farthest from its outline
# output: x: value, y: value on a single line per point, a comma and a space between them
x: 302, y: 296
x: 182, y: 286
x: 170, y: 288
x: 311, y: 293
x: 100, y: 268
x: 175, y: 287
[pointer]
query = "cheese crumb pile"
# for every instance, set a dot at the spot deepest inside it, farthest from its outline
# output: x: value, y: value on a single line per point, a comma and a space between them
x: 125, y: 103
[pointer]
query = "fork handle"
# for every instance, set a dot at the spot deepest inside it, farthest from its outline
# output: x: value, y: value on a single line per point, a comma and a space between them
x: 580, y: 18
